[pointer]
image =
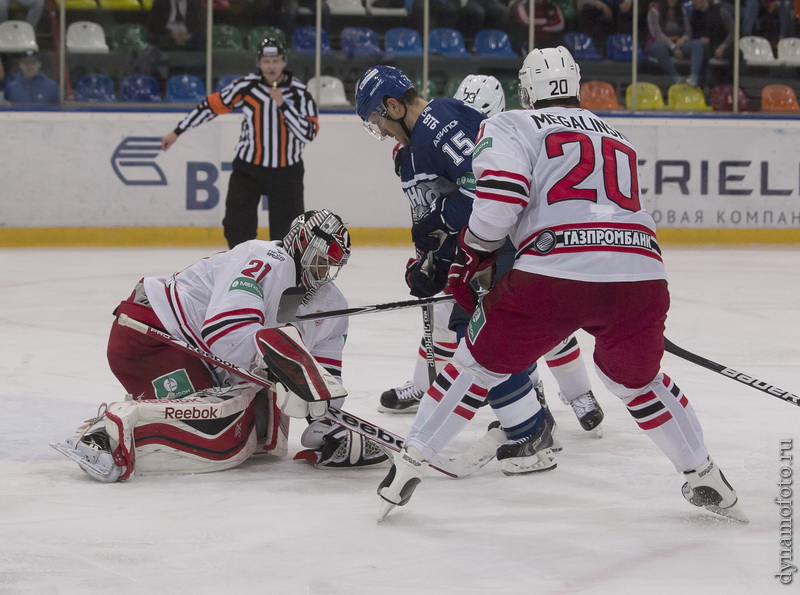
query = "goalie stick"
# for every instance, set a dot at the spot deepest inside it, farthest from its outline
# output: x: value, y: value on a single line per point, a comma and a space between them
x: 293, y: 297
x: 745, y: 379
x: 462, y: 465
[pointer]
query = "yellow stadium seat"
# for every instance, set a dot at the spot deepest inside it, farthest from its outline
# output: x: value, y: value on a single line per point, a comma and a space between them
x: 80, y: 4
x: 120, y: 5
x: 685, y: 97
x: 648, y: 97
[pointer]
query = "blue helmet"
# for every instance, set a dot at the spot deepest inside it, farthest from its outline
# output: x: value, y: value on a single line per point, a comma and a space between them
x: 379, y: 82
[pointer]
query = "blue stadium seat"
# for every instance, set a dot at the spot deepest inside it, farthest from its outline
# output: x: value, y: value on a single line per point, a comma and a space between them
x: 304, y: 41
x: 619, y: 47
x: 359, y: 42
x: 581, y: 46
x: 140, y: 88
x: 226, y: 80
x: 185, y: 88
x: 447, y: 42
x: 493, y: 43
x: 95, y: 87
x: 403, y: 41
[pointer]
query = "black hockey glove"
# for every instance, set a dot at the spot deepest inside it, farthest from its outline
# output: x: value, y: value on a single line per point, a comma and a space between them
x: 425, y: 279
x: 430, y: 231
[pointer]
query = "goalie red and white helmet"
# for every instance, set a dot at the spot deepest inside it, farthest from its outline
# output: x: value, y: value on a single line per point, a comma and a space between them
x: 482, y: 92
x: 549, y: 73
x: 319, y: 243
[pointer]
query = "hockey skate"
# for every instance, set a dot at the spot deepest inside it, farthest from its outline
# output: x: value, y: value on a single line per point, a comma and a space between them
x: 402, y: 399
x: 707, y: 488
x: 401, y: 481
x: 531, y: 454
x: 588, y: 411
x: 91, y: 449
x: 549, y: 419
x: 330, y: 446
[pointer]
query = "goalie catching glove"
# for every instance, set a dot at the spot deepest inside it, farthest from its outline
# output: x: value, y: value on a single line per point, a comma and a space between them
x: 475, y: 261
x: 303, y: 387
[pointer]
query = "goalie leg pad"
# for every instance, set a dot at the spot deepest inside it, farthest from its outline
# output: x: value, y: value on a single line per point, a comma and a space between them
x: 285, y: 356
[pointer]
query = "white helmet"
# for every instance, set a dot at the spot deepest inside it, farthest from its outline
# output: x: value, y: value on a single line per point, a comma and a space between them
x: 549, y: 73
x: 482, y: 92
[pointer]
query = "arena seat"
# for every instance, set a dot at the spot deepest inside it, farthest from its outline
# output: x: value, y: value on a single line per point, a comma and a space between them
x: 387, y: 8
x: 304, y: 41
x: 511, y: 88
x: 360, y: 42
x: 581, y: 46
x: 757, y: 51
x: 331, y: 92
x: 129, y: 37
x: 432, y: 89
x: 402, y: 41
x: 779, y: 98
x: 721, y: 98
x: 599, y: 95
x: 120, y: 5
x: 789, y: 51
x: 17, y: 36
x: 648, y: 97
x: 347, y: 7
x: 226, y: 80
x: 79, y: 4
x: 493, y: 43
x: 685, y: 97
x: 619, y: 47
x: 447, y: 42
x: 96, y: 88
x: 227, y: 38
x: 185, y: 88
x: 140, y: 88
x: 258, y: 34
x: 85, y: 37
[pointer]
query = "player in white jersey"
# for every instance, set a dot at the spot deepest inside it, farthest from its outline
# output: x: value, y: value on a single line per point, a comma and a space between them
x: 183, y: 415
x: 563, y: 185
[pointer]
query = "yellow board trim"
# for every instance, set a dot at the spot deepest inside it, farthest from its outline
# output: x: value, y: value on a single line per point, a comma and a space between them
x: 37, y: 237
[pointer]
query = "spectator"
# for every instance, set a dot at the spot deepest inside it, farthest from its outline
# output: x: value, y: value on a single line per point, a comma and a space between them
x: 35, y: 9
x: 444, y: 13
x: 30, y: 84
x: 670, y: 35
x: 291, y: 9
x: 177, y: 25
x: 776, y: 20
x: 483, y: 14
x: 598, y: 18
x: 548, y: 23
x: 713, y: 25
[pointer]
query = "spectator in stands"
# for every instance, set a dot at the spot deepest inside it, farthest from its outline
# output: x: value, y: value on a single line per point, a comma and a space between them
x: 30, y: 85
x: 35, y: 9
x: 598, y: 18
x: 548, y: 24
x: 670, y: 36
x: 444, y: 13
x: 291, y: 9
x: 483, y: 14
x: 713, y: 25
x: 776, y: 20
x: 178, y: 25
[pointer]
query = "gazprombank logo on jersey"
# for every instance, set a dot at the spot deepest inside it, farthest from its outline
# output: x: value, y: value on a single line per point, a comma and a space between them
x: 248, y: 285
x: 134, y: 161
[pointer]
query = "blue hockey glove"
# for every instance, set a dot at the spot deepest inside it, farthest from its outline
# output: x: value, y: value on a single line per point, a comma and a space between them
x: 426, y: 279
x: 468, y: 263
x: 430, y: 231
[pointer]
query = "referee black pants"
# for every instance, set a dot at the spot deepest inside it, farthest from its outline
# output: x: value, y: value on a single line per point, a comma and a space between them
x: 284, y: 189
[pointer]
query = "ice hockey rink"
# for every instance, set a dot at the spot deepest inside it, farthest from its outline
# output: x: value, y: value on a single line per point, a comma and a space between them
x: 609, y: 520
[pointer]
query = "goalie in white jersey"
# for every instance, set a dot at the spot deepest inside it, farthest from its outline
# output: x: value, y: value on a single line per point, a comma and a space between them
x: 185, y: 416
x: 563, y: 185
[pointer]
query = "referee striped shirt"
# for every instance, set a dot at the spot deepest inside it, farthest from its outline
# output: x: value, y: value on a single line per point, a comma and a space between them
x: 271, y: 136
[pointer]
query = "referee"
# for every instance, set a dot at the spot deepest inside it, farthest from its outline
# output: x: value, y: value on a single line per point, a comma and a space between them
x: 280, y: 117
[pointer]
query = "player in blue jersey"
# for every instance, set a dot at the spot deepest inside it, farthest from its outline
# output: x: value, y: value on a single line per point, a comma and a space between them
x: 436, y: 177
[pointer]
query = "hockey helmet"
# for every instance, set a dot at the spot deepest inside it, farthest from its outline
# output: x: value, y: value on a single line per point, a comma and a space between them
x: 271, y: 47
x: 373, y: 87
x: 482, y: 92
x: 549, y: 73
x: 319, y: 243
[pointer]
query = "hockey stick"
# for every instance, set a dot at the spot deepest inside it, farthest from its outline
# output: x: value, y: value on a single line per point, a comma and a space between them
x: 292, y: 299
x: 462, y: 465
x: 427, y: 336
x: 766, y: 387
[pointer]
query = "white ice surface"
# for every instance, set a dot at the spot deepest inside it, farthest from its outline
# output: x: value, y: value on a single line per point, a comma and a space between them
x: 610, y: 519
